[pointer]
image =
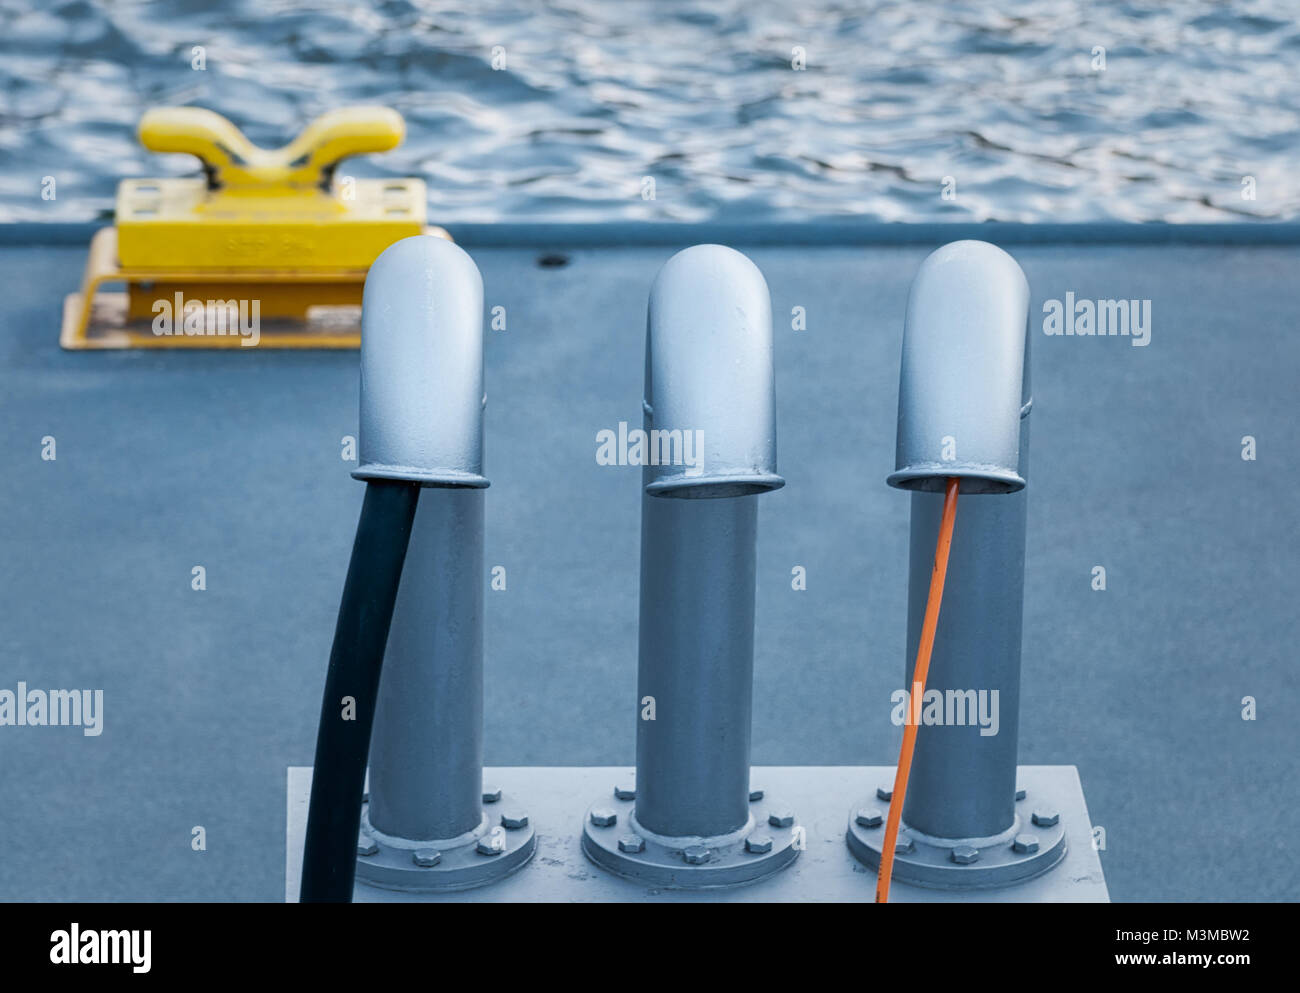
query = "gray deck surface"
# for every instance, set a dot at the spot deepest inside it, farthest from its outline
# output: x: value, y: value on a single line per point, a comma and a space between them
x: 231, y: 461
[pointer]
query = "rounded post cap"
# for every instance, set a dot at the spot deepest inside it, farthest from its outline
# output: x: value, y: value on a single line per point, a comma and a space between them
x: 422, y: 393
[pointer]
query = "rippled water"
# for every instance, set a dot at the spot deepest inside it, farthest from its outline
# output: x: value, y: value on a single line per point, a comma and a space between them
x: 598, y: 94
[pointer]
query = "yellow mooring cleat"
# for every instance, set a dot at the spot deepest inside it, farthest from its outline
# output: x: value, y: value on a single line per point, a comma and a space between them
x: 268, y: 248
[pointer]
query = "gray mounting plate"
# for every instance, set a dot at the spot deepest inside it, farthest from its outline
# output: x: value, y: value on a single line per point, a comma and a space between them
x: 492, y: 853
x: 558, y: 798
x: 933, y: 865
x: 721, y: 862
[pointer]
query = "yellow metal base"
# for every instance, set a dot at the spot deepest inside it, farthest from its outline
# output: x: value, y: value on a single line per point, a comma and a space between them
x: 177, y: 224
x: 297, y: 308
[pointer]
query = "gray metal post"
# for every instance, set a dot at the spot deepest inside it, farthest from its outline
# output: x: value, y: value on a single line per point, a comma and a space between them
x: 964, y: 402
x: 426, y: 752
x: 697, y: 663
x: 959, y: 787
x: 691, y: 819
x: 428, y: 823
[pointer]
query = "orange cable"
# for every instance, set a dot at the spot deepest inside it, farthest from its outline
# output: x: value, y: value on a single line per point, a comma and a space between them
x: 919, y: 673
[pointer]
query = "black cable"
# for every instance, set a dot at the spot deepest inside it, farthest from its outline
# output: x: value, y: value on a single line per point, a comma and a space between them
x: 343, y: 738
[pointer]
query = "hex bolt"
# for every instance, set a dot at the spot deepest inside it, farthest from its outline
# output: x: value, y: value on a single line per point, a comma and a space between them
x: 489, y: 845
x: 625, y: 791
x: 965, y: 854
x: 426, y: 857
x: 868, y: 817
x: 903, y: 846
x: 632, y: 843
x: 696, y: 854
x: 491, y: 794
x: 759, y: 844
x: 1025, y: 844
x: 366, y: 845
x: 514, y: 820
x: 1020, y: 794
x: 780, y: 818
x: 1046, y: 818
x: 755, y: 794
x: 884, y: 793
x: 603, y: 817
